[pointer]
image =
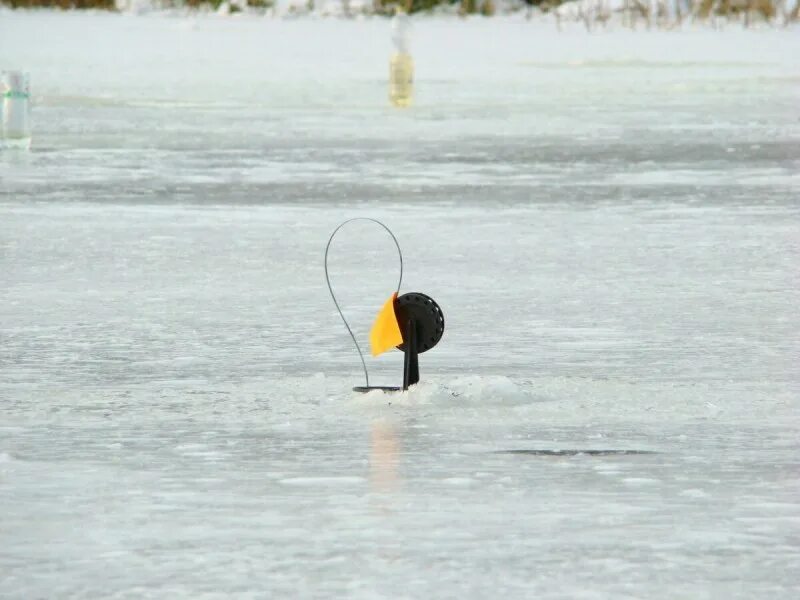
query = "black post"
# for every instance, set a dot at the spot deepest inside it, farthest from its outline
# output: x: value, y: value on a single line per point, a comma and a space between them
x: 411, y: 362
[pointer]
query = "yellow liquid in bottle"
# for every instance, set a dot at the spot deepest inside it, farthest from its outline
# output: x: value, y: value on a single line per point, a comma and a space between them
x: 401, y: 79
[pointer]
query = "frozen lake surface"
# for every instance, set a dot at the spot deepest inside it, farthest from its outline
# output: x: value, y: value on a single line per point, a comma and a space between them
x: 609, y: 222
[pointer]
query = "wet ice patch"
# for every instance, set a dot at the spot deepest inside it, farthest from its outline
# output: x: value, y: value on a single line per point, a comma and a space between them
x: 576, y: 452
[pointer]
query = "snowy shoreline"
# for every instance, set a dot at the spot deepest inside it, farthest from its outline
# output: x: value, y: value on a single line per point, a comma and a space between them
x: 590, y: 15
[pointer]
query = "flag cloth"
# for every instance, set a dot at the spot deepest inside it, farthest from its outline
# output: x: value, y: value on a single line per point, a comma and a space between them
x: 385, y: 333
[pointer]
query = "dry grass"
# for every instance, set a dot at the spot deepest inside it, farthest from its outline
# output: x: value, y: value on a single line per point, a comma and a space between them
x: 65, y: 4
x: 767, y: 10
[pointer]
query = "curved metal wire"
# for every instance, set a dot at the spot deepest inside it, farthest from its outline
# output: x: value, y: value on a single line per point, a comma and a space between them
x: 330, y: 287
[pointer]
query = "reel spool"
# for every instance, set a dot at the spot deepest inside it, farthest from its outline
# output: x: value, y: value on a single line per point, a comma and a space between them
x: 412, y: 323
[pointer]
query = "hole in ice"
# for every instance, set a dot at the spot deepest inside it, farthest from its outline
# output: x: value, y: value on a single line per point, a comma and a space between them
x: 532, y: 452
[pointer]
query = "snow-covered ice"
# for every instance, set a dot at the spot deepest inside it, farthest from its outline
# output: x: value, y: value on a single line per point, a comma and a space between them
x: 609, y: 221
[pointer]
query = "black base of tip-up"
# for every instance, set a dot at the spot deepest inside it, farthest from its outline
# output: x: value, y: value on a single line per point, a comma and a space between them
x: 363, y: 389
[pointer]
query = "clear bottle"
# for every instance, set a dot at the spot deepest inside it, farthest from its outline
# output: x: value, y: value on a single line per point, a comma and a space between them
x: 16, y: 113
x: 401, y: 65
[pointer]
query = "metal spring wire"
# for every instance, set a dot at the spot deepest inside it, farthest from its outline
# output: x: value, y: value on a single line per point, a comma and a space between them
x: 330, y: 287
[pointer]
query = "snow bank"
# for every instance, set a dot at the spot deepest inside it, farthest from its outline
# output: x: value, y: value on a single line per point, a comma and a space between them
x: 660, y: 13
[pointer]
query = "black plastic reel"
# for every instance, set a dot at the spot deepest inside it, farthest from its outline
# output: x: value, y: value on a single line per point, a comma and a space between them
x: 421, y: 322
x: 427, y: 316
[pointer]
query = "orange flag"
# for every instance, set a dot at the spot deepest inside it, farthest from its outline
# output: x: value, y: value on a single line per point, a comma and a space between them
x: 385, y: 333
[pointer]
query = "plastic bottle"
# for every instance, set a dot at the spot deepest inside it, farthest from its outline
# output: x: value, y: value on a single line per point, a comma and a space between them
x: 401, y: 66
x: 16, y: 125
